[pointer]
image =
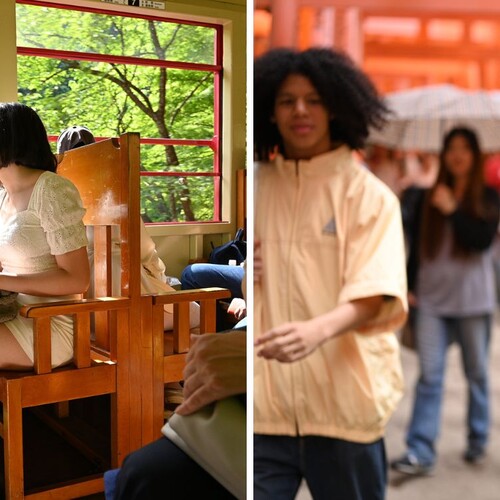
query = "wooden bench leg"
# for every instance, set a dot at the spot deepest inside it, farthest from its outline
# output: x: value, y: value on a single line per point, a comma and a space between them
x: 208, y: 317
x: 13, y: 441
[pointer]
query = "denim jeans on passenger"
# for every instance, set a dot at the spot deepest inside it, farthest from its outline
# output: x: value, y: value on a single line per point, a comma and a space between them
x: 434, y: 335
x: 207, y: 275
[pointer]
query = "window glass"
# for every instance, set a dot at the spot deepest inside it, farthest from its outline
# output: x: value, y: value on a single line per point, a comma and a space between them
x: 116, y: 74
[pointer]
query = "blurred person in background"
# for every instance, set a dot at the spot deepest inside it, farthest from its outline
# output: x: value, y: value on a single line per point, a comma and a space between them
x: 388, y: 165
x: 450, y: 229
x: 420, y: 170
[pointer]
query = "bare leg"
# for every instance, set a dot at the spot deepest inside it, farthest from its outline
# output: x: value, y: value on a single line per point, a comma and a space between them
x: 12, y: 356
x: 194, y: 317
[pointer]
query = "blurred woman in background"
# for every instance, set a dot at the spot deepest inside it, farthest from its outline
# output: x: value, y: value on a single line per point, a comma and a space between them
x: 450, y: 231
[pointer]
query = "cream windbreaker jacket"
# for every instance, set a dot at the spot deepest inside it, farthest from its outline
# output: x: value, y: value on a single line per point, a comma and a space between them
x: 330, y: 233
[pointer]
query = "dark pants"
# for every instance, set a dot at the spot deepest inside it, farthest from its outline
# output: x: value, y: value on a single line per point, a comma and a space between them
x: 162, y: 470
x: 333, y: 469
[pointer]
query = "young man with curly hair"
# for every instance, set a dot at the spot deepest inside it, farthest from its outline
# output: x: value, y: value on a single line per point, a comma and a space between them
x: 330, y: 282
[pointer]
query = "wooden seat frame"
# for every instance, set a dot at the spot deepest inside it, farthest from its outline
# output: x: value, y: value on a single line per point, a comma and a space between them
x: 131, y: 357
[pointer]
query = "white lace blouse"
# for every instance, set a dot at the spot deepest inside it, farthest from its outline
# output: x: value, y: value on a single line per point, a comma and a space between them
x: 29, y: 241
x: 51, y: 225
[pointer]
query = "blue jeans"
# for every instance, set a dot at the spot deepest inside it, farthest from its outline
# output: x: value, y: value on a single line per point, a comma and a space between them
x: 333, y: 469
x: 434, y: 335
x: 207, y: 275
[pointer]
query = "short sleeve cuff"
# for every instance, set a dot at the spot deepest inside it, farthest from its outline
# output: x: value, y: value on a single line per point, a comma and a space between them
x: 67, y: 239
x: 393, y: 312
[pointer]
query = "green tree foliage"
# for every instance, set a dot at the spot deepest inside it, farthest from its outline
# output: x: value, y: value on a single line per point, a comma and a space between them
x: 111, y: 97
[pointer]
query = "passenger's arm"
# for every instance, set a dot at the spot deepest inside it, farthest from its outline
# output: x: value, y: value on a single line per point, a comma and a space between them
x: 71, y: 276
x: 295, y: 340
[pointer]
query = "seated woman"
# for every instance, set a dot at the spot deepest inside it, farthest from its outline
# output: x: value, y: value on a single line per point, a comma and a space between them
x: 153, y: 277
x: 43, y: 245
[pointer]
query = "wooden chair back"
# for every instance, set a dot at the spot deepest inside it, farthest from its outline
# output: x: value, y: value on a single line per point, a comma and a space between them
x: 241, y: 199
x: 109, y: 187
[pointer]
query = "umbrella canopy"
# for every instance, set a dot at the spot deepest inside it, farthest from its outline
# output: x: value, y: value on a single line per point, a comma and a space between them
x: 421, y: 116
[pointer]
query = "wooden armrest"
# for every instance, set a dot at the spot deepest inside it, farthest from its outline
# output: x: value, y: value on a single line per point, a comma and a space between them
x: 207, y: 297
x: 81, y: 309
x: 44, y: 309
x: 196, y: 295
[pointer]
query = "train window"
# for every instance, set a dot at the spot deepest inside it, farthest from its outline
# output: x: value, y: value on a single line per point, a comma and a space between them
x: 116, y: 72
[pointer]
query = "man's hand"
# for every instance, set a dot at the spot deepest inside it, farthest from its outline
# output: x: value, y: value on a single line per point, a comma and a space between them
x: 295, y: 340
x: 289, y: 342
x: 215, y: 369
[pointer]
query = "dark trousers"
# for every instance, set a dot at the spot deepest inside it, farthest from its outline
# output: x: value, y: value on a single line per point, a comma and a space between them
x: 333, y: 469
x: 162, y: 470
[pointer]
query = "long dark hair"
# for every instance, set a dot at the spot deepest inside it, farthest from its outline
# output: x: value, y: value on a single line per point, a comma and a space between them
x: 472, y: 203
x: 348, y: 94
x: 23, y: 138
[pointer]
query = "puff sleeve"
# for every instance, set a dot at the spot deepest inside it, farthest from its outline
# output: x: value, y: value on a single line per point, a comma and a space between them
x: 61, y: 215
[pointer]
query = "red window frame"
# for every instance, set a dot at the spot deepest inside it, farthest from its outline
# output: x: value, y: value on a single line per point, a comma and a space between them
x: 215, y: 143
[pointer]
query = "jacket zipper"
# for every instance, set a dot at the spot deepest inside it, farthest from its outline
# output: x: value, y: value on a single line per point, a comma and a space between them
x: 293, y: 231
x: 290, y: 260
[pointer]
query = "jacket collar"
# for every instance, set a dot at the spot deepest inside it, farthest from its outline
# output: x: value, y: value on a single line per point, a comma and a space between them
x: 338, y: 159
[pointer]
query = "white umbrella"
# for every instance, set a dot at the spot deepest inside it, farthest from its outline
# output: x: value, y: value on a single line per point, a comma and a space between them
x: 421, y: 116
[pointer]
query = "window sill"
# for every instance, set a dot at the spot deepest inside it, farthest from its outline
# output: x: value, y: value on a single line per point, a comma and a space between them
x: 189, y: 229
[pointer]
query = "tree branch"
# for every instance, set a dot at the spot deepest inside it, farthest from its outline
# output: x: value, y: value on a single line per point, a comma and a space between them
x: 187, y: 97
